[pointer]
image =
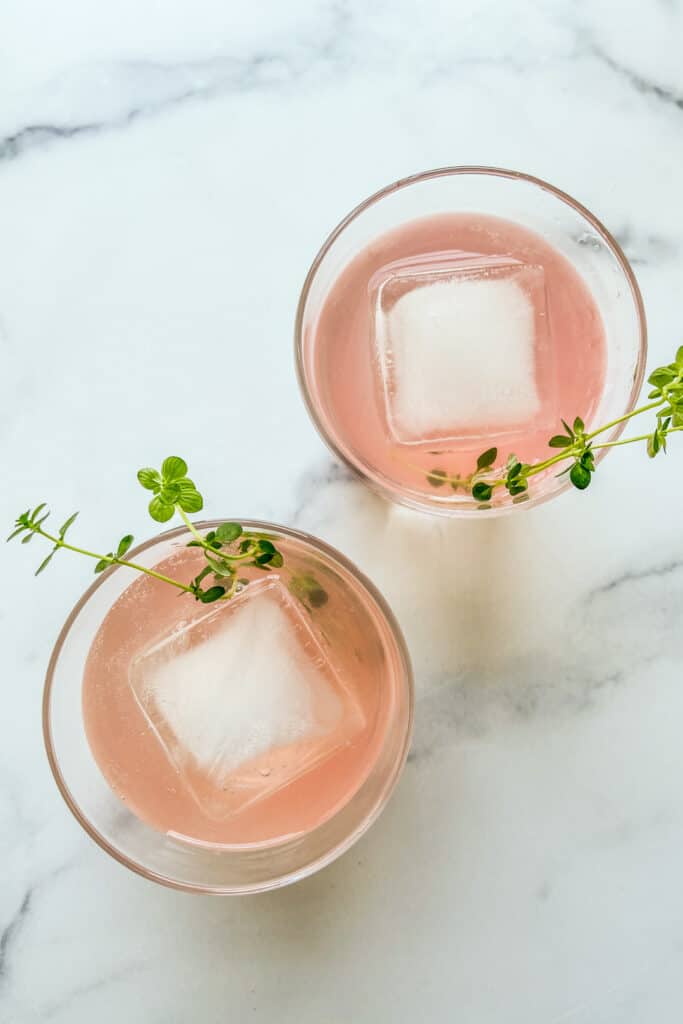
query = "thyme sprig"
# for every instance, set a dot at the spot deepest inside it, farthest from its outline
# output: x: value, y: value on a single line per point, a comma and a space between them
x: 576, y: 445
x: 226, y: 549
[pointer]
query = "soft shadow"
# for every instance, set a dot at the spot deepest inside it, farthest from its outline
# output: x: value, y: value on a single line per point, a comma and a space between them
x: 491, y: 609
x: 483, y: 603
x: 327, y: 910
x: 341, y: 892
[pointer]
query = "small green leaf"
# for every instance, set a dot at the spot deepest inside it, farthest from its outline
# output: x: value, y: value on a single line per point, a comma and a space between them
x: 515, y: 489
x: 219, y: 566
x: 228, y: 532
x: 190, y: 500
x: 560, y: 441
x: 307, y: 589
x: 570, y: 432
x: 27, y: 538
x: 653, y: 445
x: 15, y: 533
x: 46, y: 561
x: 186, y: 486
x: 103, y: 564
x: 277, y: 561
x: 482, y: 491
x: 245, y: 545
x: 437, y: 477
x: 661, y: 377
x: 65, y: 526
x: 679, y: 358
x: 150, y: 480
x: 266, y: 545
x: 265, y: 558
x: 169, y: 494
x: 206, y: 571
x: 36, y: 512
x: 579, y: 426
x: 160, y: 511
x: 211, y: 595
x: 580, y: 476
x: 124, y: 545
x: 515, y: 470
x: 487, y: 458
x: 173, y: 468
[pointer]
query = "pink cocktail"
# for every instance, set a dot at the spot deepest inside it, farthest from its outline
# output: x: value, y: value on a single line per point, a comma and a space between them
x: 459, y: 311
x: 233, y: 746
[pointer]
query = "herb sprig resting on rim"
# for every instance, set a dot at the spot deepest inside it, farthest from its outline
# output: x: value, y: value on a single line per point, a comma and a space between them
x: 225, y: 549
x: 576, y: 445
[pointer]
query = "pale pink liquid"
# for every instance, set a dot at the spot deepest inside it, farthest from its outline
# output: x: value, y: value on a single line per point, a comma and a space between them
x: 342, y: 360
x: 133, y: 760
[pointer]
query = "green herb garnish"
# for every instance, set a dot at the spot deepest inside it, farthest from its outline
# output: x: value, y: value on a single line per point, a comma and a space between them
x: 576, y: 445
x: 306, y: 589
x: 173, y: 492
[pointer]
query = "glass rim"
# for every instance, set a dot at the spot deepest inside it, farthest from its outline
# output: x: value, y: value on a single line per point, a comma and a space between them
x: 339, y: 848
x: 396, y: 494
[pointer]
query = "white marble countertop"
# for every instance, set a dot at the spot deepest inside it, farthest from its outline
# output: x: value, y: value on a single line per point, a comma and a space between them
x: 167, y: 172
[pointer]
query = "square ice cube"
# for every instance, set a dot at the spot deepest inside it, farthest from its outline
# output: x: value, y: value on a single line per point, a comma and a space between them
x: 461, y: 344
x: 244, y: 699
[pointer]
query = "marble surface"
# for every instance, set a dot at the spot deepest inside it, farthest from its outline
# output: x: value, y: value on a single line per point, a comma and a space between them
x: 167, y: 171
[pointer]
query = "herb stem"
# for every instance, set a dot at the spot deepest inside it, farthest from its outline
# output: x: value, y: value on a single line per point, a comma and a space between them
x: 173, y: 492
x: 576, y: 444
x: 58, y: 542
x: 192, y: 528
x: 631, y: 440
x: 625, y: 418
x: 217, y: 552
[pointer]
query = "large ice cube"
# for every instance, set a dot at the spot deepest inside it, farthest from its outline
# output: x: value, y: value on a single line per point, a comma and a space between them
x: 244, y: 699
x: 462, y: 343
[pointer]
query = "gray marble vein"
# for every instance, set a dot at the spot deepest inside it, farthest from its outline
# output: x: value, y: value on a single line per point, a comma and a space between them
x: 645, y: 249
x: 635, y: 576
x: 171, y: 85
x: 311, y: 486
x: 640, y: 83
x: 163, y: 86
x: 10, y: 932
